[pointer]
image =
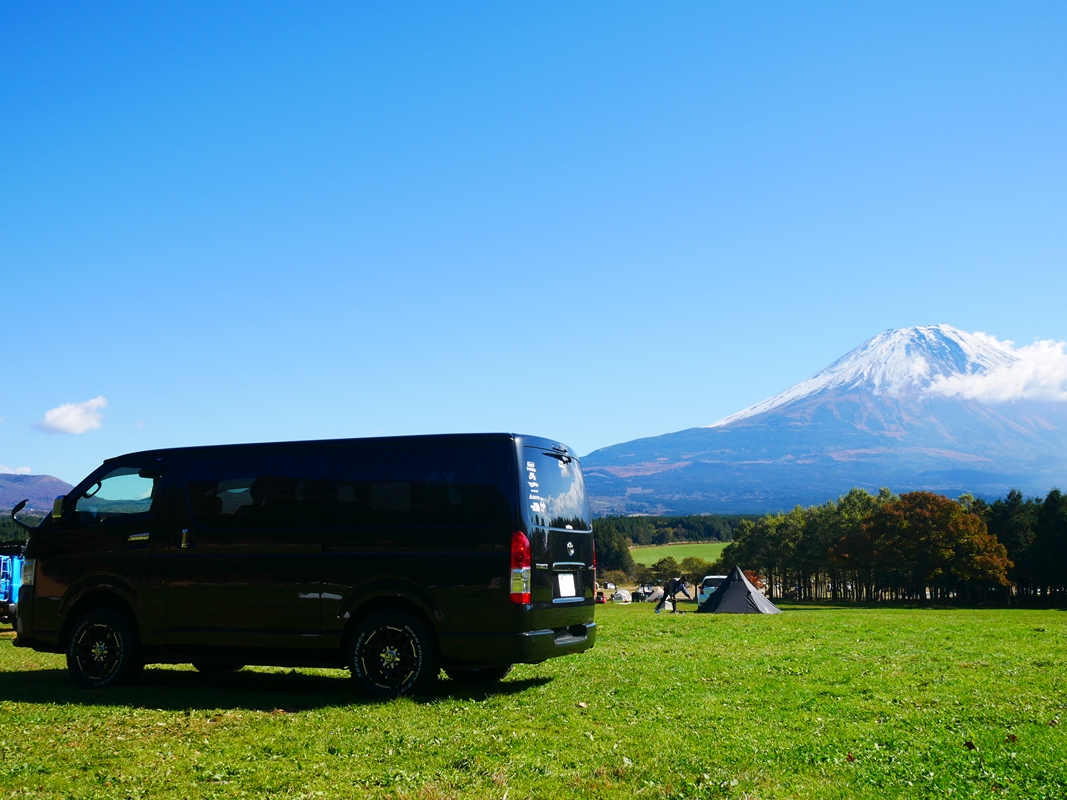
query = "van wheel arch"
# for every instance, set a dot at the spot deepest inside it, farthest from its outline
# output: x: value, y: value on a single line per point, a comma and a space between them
x: 389, y: 604
x: 91, y: 602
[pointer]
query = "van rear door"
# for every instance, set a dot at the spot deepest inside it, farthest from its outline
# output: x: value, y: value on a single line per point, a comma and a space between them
x: 556, y: 511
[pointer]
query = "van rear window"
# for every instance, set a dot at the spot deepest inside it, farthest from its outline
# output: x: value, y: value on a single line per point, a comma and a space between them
x: 555, y: 490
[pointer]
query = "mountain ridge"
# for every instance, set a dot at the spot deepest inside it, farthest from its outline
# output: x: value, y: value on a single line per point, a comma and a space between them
x: 888, y: 413
x: 40, y: 490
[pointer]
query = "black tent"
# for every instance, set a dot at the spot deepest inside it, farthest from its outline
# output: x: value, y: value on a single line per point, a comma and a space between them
x: 737, y: 596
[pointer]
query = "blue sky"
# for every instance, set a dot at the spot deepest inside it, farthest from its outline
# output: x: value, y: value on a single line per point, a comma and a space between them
x: 593, y: 222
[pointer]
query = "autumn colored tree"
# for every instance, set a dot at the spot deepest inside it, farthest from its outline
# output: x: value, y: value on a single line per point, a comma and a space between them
x: 854, y: 557
x: 845, y: 547
x: 924, y: 545
x: 883, y: 547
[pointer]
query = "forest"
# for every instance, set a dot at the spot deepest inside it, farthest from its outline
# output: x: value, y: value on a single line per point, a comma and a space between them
x: 615, y: 535
x: 915, y: 547
x: 10, y: 532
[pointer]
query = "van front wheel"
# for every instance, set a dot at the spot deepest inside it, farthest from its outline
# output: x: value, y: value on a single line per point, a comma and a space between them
x: 103, y: 650
x: 392, y: 653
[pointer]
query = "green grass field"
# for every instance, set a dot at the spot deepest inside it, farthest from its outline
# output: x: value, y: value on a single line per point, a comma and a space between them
x: 709, y: 551
x: 815, y: 702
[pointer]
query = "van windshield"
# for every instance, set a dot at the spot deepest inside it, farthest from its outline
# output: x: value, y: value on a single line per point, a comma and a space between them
x: 555, y: 490
x: 122, y: 492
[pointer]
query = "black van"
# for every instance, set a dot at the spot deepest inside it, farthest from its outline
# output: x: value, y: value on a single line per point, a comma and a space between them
x: 390, y: 557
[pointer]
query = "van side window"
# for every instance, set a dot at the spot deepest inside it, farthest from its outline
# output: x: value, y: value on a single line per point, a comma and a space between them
x: 274, y: 490
x: 120, y: 494
x: 409, y: 486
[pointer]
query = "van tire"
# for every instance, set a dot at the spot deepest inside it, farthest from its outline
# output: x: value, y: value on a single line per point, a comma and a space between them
x: 392, y: 653
x: 103, y: 650
x: 481, y: 675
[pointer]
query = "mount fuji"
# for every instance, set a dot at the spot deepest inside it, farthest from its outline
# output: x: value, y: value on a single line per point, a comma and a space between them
x: 928, y: 407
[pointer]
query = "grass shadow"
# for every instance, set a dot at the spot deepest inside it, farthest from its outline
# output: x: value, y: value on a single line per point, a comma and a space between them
x: 180, y: 690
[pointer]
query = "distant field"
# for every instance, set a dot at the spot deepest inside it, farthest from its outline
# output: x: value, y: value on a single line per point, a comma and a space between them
x: 815, y: 702
x: 709, y: 551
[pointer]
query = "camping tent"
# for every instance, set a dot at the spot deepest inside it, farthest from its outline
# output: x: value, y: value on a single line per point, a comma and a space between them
x: 737, y: 596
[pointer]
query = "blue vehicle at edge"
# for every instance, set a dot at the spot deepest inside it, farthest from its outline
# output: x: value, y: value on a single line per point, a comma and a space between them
x: 10, y: 582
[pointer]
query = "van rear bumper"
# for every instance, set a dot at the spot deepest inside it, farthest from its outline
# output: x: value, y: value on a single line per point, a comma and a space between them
x: 529, y: 647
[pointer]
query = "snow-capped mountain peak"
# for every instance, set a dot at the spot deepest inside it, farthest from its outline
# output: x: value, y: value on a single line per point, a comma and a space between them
x: 905, y: 361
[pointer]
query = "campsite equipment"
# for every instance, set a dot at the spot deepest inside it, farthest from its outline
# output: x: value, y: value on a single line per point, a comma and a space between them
x: 642, y: 593
x: 621, y: 596
x: 737, y: 595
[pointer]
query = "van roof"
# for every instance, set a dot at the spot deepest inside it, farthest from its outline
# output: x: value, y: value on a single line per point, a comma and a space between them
x: 443, y: 438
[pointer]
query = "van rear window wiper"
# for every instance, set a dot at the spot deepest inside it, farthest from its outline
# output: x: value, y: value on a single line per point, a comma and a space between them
x: 560, y: 456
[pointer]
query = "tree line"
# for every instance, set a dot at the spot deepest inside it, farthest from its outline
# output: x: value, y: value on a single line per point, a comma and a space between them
x: 615, y: 535
x: 12, y: 533
x: 918, y: 547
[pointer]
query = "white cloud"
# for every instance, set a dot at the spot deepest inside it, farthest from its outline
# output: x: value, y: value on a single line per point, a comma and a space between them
x: 1039, y: 372
x: 14, y: 470
x: 74, y: 417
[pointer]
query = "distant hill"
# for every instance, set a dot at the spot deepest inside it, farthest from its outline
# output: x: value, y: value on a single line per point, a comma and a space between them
x: 40, y: 490
x: 908, y: 409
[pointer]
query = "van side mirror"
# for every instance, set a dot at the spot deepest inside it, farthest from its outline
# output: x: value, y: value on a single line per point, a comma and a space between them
x: 21, y: 505
x: 57, y: 508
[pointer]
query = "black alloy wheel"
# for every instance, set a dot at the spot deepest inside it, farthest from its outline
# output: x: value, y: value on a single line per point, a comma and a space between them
x: 392, y: 653
x: 103, y: 650
x: 479, y: 675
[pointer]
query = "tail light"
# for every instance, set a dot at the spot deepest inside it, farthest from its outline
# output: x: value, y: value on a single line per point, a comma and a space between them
x: 594, y: 560
x: 29, y: 570
x: 521, y: 562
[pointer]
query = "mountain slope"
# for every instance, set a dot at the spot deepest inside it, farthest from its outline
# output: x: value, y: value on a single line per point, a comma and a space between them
x: 40, y: 490
x: 889, y: 413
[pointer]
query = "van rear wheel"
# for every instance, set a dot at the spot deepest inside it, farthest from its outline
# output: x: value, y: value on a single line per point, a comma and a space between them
x: 103, y: 650
x: 392, y: 653
x: 483, y: 675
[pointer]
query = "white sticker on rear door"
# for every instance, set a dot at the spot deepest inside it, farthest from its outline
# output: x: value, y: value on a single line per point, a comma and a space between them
x: 537, y: 503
